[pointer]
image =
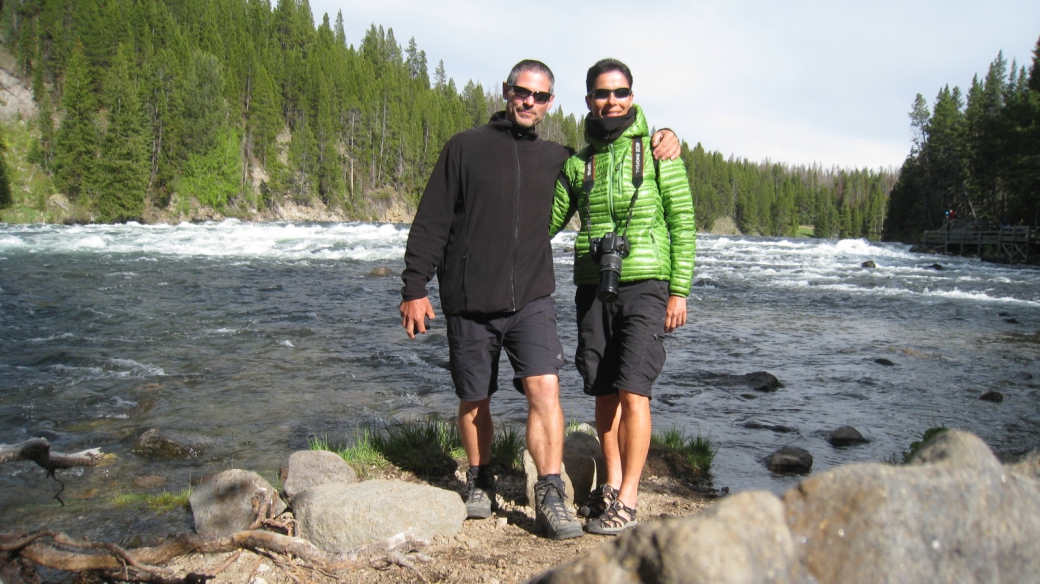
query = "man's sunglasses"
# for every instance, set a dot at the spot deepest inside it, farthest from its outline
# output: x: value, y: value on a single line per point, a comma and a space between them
x: 522, y: 93
x: 619, y: 93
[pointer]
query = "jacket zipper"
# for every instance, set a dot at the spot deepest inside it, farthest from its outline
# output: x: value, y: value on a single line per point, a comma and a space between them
x: 516, y: 229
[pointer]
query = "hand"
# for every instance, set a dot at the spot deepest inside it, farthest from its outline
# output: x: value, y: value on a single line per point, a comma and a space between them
x: 676, y: 315
x: 414, y: 314
x: 666, y: 145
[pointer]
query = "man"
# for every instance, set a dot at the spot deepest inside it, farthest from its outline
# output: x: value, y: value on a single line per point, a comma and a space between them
x: 481, y: 227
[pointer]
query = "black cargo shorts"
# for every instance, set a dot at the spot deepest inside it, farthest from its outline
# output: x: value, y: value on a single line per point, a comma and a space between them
x: 475, y: 343
x: 621, y: 344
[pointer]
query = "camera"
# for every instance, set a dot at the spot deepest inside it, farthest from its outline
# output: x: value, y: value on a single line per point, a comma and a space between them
x: 609, y: 250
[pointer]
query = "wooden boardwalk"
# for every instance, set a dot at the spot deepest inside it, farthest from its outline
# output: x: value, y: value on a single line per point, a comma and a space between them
x: 1013, y: 243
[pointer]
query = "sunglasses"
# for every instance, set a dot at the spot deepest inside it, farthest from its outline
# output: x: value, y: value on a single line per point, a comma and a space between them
x: 619, y: 93
x: 522, y: 93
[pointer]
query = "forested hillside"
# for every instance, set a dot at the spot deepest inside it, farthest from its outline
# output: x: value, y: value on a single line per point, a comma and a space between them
x: 158, y: 108
x: 978, y: 155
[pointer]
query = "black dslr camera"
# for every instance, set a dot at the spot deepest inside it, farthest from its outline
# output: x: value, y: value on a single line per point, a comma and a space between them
x: 609, y: 250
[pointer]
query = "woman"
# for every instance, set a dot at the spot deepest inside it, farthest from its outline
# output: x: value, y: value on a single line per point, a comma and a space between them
x: 633, y: 266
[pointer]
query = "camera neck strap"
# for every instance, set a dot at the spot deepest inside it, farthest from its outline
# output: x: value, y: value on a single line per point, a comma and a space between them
x: 637, y: 181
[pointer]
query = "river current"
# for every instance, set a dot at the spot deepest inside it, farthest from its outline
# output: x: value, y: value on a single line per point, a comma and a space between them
x: 253, y: 338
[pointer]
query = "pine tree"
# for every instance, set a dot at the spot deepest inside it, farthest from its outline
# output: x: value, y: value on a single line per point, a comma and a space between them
x: 5, y: 182
x: 123, y: 167
x: 77, y: 140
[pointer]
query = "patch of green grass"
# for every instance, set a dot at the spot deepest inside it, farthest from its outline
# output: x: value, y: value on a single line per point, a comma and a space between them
x: 916, y: 445
x: 573, y: 426
x: 805, y: 231
x: 696, y: 450
x: 163, y: 502
x: 507, y: 450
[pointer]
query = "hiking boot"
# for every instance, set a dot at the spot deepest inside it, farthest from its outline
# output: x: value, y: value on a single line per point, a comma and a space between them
x: 480, y: 497
x: 599, y: 500
x: 550, y: 511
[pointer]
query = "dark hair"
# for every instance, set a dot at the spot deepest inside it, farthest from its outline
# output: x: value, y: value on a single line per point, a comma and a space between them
x: 606, y: 66
x: 530, y: 65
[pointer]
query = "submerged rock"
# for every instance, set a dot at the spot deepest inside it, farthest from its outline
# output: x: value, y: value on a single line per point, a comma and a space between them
x: 223, y: 503
x: 883, y: 361
x: 166, y: 444
x: 778, y: 428
x: 338, y: 517
x: 868, y: 264
x: 381, y: 272
x: 789, y: 460
x: 992, y: 396
x: 846, y: 436
x: 758, y: 381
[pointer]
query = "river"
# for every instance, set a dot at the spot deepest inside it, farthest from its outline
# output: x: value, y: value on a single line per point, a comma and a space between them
x: 255, y: 337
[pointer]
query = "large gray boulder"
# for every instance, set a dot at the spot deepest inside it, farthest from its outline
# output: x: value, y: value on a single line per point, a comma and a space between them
x: 583, y: 459
x: 223, y: 503
x: 339, y: 517
x: 310, y: 468
x: 954, y: 514
x: 742, y: 539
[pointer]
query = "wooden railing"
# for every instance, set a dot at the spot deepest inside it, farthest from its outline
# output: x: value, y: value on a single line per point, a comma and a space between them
x: 1012, y: 242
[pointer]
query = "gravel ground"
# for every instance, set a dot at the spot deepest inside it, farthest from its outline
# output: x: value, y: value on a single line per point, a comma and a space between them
x: 503, y: 548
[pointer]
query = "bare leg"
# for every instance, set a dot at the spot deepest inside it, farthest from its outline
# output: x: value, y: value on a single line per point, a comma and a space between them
x: 608, y: 416
x: 476, y: 430
x: 544, y: 423
x: 634, y: 442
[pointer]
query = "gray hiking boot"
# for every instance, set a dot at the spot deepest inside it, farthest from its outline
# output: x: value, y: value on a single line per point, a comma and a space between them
x: 480, y: 497
x: 550, y: 511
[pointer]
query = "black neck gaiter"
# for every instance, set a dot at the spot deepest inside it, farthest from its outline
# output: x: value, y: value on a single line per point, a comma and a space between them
x: 609, y: 129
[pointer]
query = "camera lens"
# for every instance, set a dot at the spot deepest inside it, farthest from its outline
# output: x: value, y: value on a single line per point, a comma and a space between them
x: 609, y: 275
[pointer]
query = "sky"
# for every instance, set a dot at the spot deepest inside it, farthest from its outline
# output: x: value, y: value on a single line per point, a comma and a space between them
x: 797, y: 82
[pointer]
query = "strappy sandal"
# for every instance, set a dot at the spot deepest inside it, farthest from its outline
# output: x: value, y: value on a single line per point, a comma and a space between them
x: 614, y: 520
x: 598, y: 502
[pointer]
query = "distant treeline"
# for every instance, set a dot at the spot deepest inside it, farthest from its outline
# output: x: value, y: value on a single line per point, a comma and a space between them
x: 978, y: 156
x: 241, y: 103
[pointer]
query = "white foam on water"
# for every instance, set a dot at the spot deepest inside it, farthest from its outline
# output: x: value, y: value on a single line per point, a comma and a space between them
x: 287, y: 343
x: 135, y: 369
x: 230, y: 238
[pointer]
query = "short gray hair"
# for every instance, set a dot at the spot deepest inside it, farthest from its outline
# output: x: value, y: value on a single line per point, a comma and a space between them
x: 532, y: 66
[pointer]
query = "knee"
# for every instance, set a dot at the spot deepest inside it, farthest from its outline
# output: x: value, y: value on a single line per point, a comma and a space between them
x: 543, y: 389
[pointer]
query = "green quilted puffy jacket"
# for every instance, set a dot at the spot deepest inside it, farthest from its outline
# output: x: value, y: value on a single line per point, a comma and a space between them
x: 662, y: 236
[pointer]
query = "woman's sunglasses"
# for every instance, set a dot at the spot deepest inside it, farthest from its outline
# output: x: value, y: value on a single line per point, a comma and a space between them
x: 619, y: 93
x: 522, y: 93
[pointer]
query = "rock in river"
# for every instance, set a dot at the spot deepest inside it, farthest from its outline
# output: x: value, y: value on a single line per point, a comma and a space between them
x: 846, y: 436
x: 789, y: 460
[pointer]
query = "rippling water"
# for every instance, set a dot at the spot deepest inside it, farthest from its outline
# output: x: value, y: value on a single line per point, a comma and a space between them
x: 254, y: 337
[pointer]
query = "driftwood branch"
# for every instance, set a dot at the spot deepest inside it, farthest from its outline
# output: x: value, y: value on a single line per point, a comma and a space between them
x: 58, y: 551
x: 38, y: 450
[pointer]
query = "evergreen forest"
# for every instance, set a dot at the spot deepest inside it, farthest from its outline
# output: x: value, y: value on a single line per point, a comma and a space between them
x: 976, y: 154
x: 154, y: 109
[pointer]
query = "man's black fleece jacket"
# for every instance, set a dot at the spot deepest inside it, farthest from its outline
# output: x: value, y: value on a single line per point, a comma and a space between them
x: 483, y: 222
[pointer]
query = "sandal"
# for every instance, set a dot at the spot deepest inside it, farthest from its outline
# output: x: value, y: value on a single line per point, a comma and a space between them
x: 598, y: 502
x: 614, y: 520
